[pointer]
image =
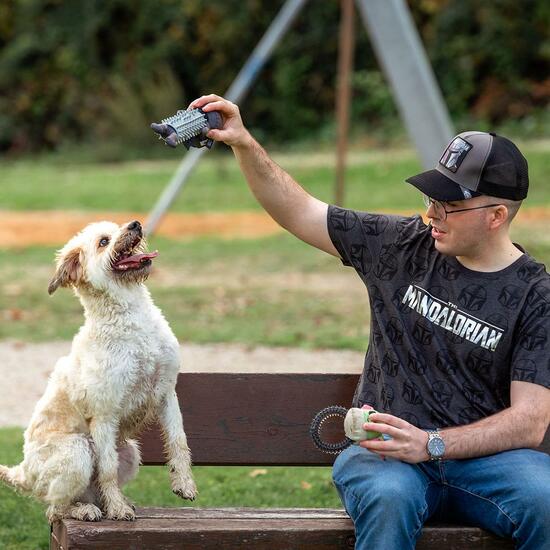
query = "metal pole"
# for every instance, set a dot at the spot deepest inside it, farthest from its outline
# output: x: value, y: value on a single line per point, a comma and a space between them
x: 343, y: 97
x: 235, y: 93
x: 401, y: 54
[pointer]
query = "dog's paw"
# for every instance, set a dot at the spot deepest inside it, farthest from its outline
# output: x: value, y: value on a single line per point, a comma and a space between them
x: 185, y: 488
x: 55, y: 513
x: 85, y: 512
x: 129, y: 503
x: 120, y: 512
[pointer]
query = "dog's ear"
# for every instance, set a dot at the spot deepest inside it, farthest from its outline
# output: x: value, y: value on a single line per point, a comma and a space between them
x: 69, y: 270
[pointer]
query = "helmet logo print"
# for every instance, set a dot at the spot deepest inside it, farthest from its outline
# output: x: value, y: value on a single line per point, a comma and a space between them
x: 454, y: 154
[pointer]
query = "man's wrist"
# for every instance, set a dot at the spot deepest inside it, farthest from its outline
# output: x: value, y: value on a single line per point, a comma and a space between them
x: 245, y: 143
x: 425, y: 454
x: 435, y: 446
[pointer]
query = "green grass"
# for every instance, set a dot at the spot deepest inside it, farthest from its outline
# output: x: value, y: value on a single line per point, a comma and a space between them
x: 255, y: 292
x: 252, y: 311
x: 217, y: 290
x: 374, y: 181
x: 210, y: 290
x: 23, y: 525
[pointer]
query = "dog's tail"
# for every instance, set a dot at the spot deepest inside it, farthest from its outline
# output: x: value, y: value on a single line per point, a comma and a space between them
x: 14, y: 477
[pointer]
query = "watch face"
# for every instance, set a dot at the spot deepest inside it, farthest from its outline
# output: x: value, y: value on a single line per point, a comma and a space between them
x: 436, y: 447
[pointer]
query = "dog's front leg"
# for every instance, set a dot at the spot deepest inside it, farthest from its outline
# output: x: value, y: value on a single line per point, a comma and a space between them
x: 175, y: 441
x: 114, y: 504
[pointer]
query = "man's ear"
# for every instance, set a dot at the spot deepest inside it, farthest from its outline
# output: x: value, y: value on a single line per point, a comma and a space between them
x: 500, y: 216
x: 69, y: 270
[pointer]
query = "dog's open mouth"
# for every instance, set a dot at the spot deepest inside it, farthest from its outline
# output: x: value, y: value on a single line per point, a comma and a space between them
x: 135, y: 261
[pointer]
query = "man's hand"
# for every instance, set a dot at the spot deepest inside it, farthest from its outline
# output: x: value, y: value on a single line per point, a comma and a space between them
x: 233, y: 132
x: 408, y: 442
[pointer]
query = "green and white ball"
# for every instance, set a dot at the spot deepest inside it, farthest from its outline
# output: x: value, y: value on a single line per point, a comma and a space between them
x: 353, y: 424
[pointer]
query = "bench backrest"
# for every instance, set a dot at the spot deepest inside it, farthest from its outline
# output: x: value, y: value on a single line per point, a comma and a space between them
x: 257, y: 419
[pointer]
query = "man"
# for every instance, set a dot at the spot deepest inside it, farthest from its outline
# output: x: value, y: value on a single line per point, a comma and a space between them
x: 458, y: 361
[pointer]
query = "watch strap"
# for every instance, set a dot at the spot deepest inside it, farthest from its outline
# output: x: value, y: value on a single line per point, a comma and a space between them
x: 432, y: 434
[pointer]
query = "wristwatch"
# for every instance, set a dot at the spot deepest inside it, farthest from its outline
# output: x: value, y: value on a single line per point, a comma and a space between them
x: 435, y: 445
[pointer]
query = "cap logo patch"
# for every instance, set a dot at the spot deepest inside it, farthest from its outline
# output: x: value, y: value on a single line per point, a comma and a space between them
x: 454, y: 154
x: 466, y: 192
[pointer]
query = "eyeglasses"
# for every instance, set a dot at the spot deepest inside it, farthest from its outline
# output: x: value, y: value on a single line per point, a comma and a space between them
x: 441, y: 212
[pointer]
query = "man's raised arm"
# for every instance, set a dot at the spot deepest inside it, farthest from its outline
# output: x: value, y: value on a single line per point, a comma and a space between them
x: 285, y: 201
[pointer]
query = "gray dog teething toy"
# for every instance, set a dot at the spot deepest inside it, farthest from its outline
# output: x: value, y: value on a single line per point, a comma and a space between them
x: 188, y: 127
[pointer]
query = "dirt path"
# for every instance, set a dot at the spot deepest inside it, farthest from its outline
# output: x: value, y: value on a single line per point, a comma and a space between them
x: 18, y: 229
x: 24, y: 368
x: 53, y: 228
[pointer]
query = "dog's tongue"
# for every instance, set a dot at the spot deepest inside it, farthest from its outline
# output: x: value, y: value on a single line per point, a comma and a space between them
x: 138, y: 258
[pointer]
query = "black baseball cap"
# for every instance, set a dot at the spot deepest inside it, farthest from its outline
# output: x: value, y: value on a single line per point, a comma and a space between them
x: 474, y: 164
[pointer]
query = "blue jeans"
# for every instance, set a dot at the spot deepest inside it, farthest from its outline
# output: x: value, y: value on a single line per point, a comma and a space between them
x: 389, y: 500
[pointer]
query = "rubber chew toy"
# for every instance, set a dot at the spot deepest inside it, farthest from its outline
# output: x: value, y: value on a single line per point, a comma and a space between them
x: 188, y: 127
x: 354, y: 419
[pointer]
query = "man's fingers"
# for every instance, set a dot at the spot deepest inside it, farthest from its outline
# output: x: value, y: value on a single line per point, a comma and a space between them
x: 215, y: 103
x: 389, y: 419
x: 216, y: 135
x: 382, y: 428
x: 381, y: 447
x: 203, y: 100
x: 233, y: 131
x: 223, y: 106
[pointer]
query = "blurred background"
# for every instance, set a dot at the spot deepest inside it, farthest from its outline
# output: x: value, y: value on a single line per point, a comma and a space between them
x: 96, y: 73
x: 80, y: 83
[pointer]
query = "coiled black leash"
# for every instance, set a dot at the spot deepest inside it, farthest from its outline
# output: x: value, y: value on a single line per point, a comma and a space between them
x: 317, y: 424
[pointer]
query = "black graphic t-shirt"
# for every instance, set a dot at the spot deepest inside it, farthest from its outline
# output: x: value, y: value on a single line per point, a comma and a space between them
x: 445, y: 341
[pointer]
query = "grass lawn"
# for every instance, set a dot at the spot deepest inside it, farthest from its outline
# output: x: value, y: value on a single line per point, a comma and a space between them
x: 210, y: 290
x: 215, y: 185
x: 270, y: 291
x: 373, y: 181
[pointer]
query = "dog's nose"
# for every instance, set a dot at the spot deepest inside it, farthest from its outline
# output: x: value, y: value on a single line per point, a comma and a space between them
x: 134, y: 226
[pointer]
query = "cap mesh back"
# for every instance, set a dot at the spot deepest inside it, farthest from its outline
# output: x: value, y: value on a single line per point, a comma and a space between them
x: 505, y: 173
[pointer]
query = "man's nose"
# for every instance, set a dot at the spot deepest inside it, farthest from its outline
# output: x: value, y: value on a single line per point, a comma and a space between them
x: 135, y: 226
x: 431, y: 212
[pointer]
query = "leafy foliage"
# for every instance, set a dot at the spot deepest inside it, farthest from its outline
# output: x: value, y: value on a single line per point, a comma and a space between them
x: 88, y: 71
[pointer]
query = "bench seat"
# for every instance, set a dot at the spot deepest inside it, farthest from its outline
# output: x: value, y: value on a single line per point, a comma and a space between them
x: 261, y: 529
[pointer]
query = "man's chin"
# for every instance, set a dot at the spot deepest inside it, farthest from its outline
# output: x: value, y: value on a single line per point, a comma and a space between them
x: 440, y: 247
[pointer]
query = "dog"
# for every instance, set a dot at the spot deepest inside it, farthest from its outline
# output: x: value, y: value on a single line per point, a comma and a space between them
x: 120, y: 374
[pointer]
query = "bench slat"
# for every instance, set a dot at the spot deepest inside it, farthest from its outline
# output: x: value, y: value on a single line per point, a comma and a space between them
x: 193, y: 528
x: 240, y: 512
x: 257, y: 419
x: 254, y: 419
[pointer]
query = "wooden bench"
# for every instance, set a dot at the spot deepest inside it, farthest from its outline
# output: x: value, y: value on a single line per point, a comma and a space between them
x: 260, y: 420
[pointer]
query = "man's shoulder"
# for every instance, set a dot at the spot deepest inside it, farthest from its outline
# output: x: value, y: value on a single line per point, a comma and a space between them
x: 536, y: 280
x: 373, y: 223
x: 533, y: 272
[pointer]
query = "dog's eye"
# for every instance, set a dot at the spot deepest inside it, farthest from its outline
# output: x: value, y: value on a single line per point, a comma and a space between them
x: 104, y: 242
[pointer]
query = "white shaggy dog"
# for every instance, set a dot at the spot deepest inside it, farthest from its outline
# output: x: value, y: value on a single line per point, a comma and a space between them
x: 121, y: 372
